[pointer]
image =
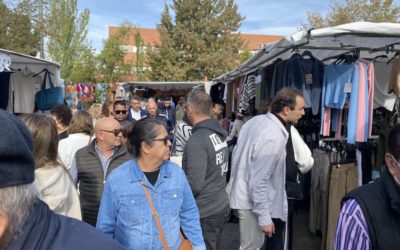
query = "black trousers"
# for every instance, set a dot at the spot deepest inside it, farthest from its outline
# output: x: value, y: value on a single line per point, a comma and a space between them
x: 212, y: 227
x: 276, y: 241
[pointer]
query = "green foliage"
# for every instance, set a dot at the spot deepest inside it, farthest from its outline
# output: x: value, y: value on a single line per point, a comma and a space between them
x: 67, y: 44
x: 245, y: 55
x: 111, y: 59
x: 353, y: 11
x: 84, y: 67
x: 17, y: 32
x: 140, y: 56
x: 200, y: 43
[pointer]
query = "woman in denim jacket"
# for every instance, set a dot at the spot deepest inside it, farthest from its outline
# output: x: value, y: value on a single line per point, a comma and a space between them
x: 125, y: 213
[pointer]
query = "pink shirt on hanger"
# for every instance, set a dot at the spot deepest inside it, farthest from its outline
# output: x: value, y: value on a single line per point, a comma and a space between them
x: 362, y: 103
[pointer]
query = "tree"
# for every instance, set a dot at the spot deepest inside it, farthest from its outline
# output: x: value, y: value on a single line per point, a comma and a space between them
x: 201, y: 42
x: 17, y: 32
x: 111, y: 58
x: 67, y: 32
x: 353, y: 11
x: 164, y: 61
x: 140, y: 56
x: 84, y: 67
x: 245, y: 55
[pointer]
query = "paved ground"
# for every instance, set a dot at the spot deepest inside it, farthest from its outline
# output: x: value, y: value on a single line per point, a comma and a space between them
x: 303, y: 239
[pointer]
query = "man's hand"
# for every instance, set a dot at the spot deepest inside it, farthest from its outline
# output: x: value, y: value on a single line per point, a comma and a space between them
x: 269, y: 230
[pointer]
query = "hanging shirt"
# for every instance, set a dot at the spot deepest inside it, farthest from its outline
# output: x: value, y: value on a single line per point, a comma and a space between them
x: 306, y: 75
x: 382, y: 98
x: 394, y: 83
x: 249, y: 92
x: 362, y: 103
x: 22, y: 93
x: 339, y: 81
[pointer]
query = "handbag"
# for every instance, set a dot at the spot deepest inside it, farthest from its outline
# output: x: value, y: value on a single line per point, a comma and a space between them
x: 47, y: 98
x: 185, y: 245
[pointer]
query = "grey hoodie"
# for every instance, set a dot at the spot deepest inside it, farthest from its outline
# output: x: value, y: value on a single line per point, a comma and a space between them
x: 205, y: 162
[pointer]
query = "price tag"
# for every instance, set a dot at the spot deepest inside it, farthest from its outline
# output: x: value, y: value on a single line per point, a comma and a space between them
x: 258, y: 79
x: 309, y: 79
x: 347, y: 87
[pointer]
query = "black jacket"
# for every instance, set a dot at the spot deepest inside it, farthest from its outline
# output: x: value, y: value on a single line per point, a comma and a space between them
x: 91, y: 178
x: 44, y: 229
x: 205, y: 162
x: 380, y: 204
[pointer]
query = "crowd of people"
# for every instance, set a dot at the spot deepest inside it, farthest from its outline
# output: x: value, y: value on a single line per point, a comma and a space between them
x: 106, y: 179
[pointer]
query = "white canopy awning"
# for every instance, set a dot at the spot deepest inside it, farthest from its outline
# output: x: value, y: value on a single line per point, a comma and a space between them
x: 369, y: 39
x: 18, y: 58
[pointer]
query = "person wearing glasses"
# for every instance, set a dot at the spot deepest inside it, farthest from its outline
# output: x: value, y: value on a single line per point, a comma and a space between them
x: 370, y: 215
x: 125, y: 212
x: 93, y: 163
x: 121, y: 113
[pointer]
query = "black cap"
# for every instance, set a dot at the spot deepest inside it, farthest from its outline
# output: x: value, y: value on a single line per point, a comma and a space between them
x: 17, y: 164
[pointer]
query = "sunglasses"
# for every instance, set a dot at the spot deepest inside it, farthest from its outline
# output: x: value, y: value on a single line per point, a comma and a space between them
x: 164, y: 139
x: 120, y: 112
x: 115, y: 131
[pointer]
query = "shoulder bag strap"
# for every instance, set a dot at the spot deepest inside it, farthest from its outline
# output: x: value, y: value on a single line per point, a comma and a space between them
x: 50, y: 81
x: 44, y: 82
x: 155, y: 216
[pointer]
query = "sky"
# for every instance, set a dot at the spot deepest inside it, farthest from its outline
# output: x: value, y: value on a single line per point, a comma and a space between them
x: 269, y: 17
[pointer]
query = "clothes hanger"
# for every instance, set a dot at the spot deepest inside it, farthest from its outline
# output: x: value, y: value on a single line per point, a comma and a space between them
x: 396, y: 55
x: 307, y: 53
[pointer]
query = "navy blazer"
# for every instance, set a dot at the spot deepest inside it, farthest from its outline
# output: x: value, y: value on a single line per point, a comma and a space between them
x: 130, y: 118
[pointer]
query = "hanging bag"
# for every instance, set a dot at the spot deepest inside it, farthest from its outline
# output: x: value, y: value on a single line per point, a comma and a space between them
x: 185, y: 245
x: 47, y: 98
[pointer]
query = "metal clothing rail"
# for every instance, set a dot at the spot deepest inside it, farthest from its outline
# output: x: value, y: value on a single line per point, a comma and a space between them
x: 372, y: 137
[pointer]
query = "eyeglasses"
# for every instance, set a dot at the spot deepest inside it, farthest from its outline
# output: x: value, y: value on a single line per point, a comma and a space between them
x: 120, y: 112
x: 115, y: 131
x: 164, y: 139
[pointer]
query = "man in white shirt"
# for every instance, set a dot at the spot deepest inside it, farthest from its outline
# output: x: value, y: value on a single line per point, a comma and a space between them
x: 257, y: 184
x: 135, y: 112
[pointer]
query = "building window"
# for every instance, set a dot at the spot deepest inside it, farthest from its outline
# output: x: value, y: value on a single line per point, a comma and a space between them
x: 124, y: 47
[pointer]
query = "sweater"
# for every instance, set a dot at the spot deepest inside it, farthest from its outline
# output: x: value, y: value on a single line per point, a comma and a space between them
x: 57, y: 189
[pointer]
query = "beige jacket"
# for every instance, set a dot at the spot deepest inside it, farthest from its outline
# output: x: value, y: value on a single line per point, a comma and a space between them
x: 58, y: 191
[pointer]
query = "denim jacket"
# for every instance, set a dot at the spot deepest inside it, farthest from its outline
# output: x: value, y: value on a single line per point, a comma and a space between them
x: 125, y: 213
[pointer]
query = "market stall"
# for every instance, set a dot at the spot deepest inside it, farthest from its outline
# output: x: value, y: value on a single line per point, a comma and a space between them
x: 21, y: 77
x: 349, y: 76
x: 159, y: 89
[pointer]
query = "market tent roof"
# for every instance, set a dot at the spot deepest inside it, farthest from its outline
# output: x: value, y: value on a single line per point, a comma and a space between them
x: 164, y: 85
x: 19, y: 58
x: 369, y: 39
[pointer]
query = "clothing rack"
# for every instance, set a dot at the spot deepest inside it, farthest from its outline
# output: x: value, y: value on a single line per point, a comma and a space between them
x: 351, y: 49
x: 329, y: 139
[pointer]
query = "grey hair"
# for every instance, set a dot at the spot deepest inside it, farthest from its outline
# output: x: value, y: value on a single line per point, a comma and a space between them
x: 16, y: 202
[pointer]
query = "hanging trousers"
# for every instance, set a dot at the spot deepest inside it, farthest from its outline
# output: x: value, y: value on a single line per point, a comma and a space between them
x: 343, y: 179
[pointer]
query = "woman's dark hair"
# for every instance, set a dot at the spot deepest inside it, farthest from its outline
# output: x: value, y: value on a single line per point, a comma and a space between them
x: 144, y: 130
x: 393, y: 144
x: 63, y: 114
x: 105, y: 109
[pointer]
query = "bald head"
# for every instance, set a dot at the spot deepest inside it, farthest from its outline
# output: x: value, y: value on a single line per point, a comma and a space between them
x: 151, y: 107
x: 106, y: 123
